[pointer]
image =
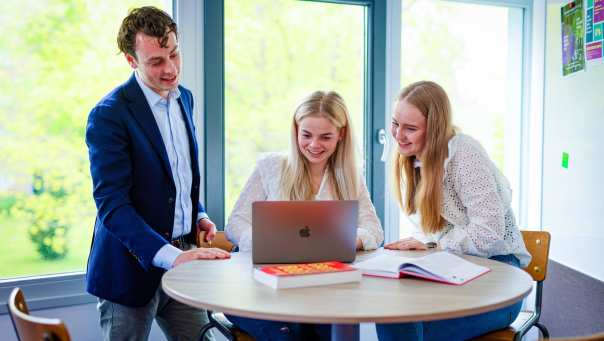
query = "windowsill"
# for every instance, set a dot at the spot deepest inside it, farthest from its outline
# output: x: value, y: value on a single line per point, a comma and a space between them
x: 49, y: 291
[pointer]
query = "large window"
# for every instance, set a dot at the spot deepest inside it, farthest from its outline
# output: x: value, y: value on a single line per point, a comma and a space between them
x: 475, y: 52
x: 277, y: 52
x: 57, y: 59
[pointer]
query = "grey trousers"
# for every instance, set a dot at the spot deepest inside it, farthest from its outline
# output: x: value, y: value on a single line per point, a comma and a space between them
x: 177, y: 321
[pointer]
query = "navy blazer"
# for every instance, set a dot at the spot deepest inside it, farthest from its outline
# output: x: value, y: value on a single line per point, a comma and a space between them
x: 134, y: 194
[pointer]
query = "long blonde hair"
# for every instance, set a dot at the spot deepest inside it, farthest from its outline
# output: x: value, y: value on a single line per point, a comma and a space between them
x: 342, y: 166
x: 423, y: 187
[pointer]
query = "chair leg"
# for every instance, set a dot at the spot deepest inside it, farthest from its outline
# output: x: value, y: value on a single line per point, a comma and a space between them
x: 211, y: 324
x: 206, y: 327
x: 219, y: 327
x: 543, y: 330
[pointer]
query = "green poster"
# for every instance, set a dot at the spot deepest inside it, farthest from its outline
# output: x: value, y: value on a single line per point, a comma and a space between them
x: 573, y: 53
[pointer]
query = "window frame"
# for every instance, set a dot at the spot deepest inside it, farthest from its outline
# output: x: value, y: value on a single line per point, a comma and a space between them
x: 204, y: 61
x: 526, y: 168
x: 526, y: 126
x: 214, y: 134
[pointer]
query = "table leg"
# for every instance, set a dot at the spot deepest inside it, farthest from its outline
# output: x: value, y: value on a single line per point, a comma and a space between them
x: 341, y: 332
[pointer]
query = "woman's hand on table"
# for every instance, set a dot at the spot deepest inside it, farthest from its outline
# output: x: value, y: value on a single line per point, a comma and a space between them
x: 409, y: 243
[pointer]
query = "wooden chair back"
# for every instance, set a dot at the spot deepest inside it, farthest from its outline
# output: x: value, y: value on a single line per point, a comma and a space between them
x: 537, y: 243
x: 31, y: 328
x: 220, y: 241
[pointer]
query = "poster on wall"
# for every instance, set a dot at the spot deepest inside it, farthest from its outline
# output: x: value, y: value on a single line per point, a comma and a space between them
x: 573, y: 54
x: 594, y: 31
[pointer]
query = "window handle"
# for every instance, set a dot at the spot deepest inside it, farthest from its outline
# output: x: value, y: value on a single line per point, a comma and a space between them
x: 383, y: 139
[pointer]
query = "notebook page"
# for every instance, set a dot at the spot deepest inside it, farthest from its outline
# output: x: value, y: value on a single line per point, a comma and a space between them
x: 383, y: 263
x: 448, y: 267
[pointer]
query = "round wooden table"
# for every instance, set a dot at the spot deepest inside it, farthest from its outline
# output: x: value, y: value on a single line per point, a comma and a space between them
x: 228, y: 286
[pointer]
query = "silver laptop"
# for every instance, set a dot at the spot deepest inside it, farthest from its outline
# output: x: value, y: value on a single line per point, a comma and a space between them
x: 304, y: 231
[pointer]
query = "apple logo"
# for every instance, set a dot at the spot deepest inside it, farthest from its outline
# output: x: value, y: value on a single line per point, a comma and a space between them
x: 304, y: 232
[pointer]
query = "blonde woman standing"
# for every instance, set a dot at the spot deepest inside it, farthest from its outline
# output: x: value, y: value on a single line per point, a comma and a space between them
x: 321, y: 165
x: 457, y: 200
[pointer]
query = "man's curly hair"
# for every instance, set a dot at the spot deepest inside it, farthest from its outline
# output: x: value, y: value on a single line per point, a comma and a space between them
x: 148, y: 20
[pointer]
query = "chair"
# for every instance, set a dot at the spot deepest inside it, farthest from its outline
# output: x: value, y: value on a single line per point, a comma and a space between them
x: 220, y: 241
x: 537, y: 243
x: 31, y: 328
x: 218, y: 320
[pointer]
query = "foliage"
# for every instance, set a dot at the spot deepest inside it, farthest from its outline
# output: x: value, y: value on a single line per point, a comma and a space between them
x: 49, y: 210
x: 59, y: 57
x: 47, y: 230
x: 277, y: 52
x: 462, y: 56
x: 20, y: 258
x: 6, y: 203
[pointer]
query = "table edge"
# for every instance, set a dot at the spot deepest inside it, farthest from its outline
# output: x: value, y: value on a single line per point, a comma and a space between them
x: 341, y: 320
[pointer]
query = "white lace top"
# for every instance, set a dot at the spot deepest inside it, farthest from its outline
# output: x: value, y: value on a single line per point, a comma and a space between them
x: 476, y: 206
x: 263, y: 184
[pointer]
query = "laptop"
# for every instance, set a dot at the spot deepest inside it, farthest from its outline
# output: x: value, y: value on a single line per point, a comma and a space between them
x: 304, y: 231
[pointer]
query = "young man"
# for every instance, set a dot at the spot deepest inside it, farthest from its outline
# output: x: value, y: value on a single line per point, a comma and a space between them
x: 144, y: 167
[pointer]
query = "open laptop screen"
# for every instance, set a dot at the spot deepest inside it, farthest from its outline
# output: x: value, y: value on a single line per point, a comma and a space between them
x: 304, y: 231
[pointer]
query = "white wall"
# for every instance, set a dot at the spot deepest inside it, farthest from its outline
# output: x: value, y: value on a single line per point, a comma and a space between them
x: 573, y: 198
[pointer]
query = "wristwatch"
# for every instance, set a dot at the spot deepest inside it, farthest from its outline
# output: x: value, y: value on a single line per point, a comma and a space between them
x: 431, y: 245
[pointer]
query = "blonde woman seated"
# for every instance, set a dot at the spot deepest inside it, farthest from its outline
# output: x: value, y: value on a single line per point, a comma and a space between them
x: 321, y: 165
x: 458, y: 201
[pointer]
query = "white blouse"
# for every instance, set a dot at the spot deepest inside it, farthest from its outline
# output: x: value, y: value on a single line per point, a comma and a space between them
x: 476, y: 206
x: 263, y: 185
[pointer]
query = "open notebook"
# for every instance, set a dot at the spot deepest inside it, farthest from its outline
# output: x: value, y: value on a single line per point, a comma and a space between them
x: 439, y: 266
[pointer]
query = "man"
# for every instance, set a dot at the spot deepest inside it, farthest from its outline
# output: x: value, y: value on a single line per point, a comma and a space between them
x: 143, y: 161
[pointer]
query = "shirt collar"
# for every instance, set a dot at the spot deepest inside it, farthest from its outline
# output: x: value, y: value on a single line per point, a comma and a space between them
x: 153, y: 98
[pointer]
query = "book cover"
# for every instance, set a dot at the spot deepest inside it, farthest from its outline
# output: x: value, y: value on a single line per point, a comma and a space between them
x: 307, y: 274
x: 439, y: 266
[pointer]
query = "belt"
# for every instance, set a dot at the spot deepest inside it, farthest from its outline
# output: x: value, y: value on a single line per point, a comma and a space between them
x: 178, y: 243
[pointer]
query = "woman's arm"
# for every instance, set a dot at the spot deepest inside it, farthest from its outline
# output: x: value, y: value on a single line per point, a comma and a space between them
x: 476, y: 187
x: 369, y: 231
x: 239, y: 226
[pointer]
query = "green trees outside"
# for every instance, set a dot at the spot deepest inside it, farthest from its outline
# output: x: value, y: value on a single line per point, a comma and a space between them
x: 465, y: 47
x: 57, y: 59
x: 277, y: 52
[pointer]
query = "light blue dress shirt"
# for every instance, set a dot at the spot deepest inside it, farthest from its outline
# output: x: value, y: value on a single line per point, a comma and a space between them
x: 168, y: 117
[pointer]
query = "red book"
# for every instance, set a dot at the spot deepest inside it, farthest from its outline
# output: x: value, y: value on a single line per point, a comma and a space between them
x: 308, y: 274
